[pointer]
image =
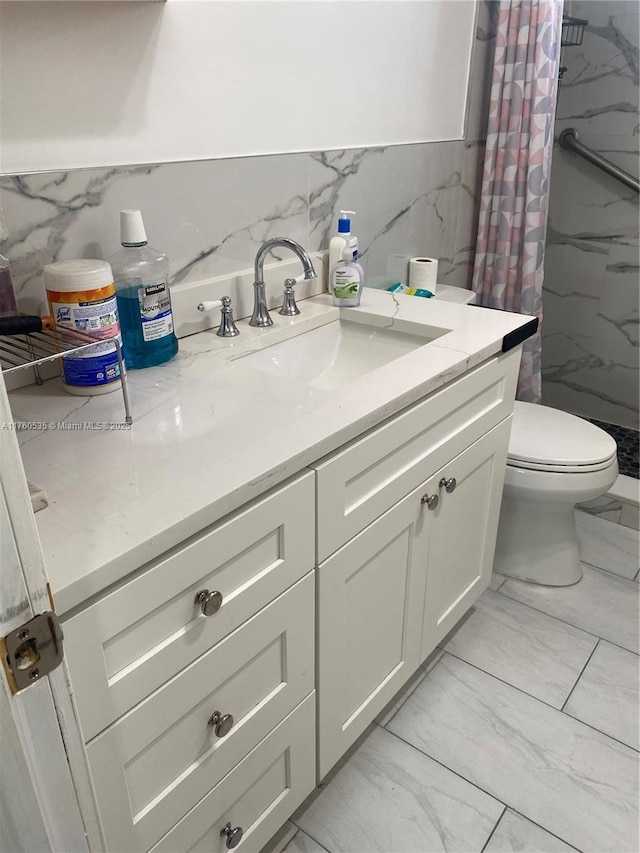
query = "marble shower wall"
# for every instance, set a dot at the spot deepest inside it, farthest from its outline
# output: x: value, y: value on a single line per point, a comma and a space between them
x: 591, y: 288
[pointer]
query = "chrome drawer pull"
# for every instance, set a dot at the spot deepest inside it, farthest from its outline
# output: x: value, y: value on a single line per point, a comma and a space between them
x: 431, y: 501
x: 233, y: 835
x: 221, y: 723
x: 210, y: 602
x: 449, y: 484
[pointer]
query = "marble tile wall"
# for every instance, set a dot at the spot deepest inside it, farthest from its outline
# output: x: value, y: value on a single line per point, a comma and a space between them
x: 591, y: 287
x: 211, y: 216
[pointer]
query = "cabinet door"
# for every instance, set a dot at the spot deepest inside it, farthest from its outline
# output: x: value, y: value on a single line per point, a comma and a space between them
x: 462, y: 536
x: 370, y: 599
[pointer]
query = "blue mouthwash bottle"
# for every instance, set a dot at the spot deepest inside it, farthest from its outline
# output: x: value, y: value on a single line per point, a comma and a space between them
x: 141, y: 276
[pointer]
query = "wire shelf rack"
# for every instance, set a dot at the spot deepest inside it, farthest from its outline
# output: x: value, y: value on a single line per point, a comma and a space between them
x: 572, y: 31
x: 23, y: 352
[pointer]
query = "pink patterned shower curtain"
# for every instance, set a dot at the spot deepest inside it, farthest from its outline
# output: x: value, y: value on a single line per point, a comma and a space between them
x: 508, y: 268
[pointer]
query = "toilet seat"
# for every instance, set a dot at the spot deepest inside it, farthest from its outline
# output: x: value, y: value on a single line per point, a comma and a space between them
x: 546, y: 439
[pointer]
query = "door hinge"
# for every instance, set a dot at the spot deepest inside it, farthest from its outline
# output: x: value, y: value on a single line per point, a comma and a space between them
x: 32, y: 650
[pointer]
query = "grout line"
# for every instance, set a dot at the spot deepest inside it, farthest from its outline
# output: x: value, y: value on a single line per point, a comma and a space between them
x: 308, y: 834
x: 484, y: 846
x: 542, y: 701
x: 544, y: 829
x: 508, y: 684
x: 575, y: 684
x: 450, y: 769
x: 571, y: 624
x: 606, y: 734
x: 488, y: 793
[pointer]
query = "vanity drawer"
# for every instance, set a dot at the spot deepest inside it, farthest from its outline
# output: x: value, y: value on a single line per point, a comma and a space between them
x: 133, y: 640
x: 356, y: 485
x: 153, y: 765
x: 258, y: 795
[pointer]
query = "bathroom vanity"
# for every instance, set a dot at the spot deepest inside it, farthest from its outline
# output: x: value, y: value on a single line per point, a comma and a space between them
x: 249, y: 574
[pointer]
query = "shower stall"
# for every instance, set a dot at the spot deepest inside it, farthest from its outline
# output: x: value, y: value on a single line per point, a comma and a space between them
x: 592, y: 283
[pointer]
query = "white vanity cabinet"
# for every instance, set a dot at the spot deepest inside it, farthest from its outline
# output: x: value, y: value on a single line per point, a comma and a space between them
x: 217, y: 684
x: 390, y: 594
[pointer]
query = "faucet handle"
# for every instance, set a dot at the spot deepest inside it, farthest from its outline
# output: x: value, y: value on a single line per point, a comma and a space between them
x: 227, y: 327
x: 289, y: 307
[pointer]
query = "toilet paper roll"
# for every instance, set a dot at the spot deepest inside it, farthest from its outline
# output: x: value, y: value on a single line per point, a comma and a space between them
x: 398, y: 268
x: 423, y: 273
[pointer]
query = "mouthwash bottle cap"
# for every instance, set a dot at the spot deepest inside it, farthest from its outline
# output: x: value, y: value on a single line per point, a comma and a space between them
x: 344, y: 223
x: 132, y: 231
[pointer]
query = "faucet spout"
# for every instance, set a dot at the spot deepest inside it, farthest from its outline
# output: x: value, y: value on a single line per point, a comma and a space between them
x: 260, y: 316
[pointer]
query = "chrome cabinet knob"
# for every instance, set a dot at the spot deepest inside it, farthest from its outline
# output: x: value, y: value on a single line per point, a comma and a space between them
x: 221, y: 723
x: 234, y: 835
x: 431, y: 501
x: 210, y: 602
x: 449, y: 484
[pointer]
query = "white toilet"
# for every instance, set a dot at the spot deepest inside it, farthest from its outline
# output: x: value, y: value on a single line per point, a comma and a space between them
x: 555, y: 460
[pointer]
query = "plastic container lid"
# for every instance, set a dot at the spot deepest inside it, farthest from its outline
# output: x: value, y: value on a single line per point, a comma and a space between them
x: 77, y: 275
x: 548, y: 436
x: 132, y: 231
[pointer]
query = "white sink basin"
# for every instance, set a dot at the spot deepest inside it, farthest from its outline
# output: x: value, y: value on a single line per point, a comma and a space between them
x: 334, y: 355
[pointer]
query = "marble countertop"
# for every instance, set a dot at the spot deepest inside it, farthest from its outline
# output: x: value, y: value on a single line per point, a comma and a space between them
x: 210, y: 434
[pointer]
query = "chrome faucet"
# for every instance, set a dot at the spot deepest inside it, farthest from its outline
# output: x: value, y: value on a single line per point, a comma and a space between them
x: 260, y: 316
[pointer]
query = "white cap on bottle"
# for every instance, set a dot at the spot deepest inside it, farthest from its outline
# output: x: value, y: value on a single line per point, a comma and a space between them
x: 132, y: 231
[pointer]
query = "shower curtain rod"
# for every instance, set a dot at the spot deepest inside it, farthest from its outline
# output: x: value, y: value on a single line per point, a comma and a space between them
x: 569, y: 140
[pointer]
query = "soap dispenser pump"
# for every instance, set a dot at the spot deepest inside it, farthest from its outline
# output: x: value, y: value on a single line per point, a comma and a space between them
x: 343, y: 239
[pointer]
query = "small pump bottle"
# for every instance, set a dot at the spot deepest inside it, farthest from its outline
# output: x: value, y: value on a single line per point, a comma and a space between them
x: 346, y: 281
x: 344, y: 238
x: 141, y: 277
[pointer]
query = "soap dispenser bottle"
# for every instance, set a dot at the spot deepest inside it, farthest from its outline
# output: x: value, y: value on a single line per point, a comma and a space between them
x: 344, y: 238
x: 346, y: 281
x: 141, y: 276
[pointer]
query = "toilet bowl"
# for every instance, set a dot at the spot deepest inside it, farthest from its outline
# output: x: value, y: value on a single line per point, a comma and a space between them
x: 554, y: 461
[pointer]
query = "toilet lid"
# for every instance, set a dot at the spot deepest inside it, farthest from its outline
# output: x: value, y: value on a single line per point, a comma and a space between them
x: 551, y: 439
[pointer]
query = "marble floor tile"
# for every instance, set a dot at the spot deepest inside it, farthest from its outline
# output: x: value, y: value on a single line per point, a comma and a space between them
x: 525, y: 648
x: 576, y: 782
x: 606, y: 696
x: 391, y: 797
x: 601, y: 603
x: 496, y: 580
x: 303, y: 843
x: 607, y: 545
x: 516, y: 834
